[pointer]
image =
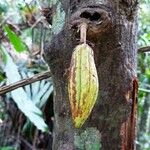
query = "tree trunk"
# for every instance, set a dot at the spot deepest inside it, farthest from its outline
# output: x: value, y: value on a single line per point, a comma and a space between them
x: 112, y: 33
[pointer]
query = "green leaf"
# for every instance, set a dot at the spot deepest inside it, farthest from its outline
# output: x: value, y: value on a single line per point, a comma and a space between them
x: 4, y: 57
x: 1, y: 77
x: 39, y: 91
x: 144, y: 90
x: 3, y: 7
x: 15, y: 40
x: 20, y: 97
x: 6, y: 148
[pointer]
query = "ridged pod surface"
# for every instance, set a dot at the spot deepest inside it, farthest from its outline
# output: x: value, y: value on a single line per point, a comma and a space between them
x: 83, y: 84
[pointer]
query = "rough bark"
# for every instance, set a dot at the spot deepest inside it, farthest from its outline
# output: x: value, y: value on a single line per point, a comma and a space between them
x: 112, y: 121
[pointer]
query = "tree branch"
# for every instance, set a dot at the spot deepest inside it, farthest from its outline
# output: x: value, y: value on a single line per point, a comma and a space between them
x: 24, y: 82
x: 144, y: 49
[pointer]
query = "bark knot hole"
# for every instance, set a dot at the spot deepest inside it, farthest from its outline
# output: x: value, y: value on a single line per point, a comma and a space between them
x: 98, y: 20
x: 92, y: 17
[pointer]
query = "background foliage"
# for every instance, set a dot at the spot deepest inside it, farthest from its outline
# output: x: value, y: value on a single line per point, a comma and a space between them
x: 26, y: 114
x: 143, y: 140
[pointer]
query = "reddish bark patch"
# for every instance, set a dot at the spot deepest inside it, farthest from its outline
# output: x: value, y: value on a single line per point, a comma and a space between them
x: 128, y: 129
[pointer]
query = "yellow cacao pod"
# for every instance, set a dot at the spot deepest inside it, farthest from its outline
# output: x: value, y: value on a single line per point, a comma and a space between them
x: 83, y: 84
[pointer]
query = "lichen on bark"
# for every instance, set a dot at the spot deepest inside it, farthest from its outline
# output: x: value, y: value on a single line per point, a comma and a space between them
x: 88, y: 139
x: 58, y: 17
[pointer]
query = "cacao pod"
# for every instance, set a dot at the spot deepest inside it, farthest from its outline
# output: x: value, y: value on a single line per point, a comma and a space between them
x: 83, y: 84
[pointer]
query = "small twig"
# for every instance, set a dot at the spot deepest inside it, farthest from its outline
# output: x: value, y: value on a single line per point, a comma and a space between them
x: 26, y: 143
x: 35, y: 139
x: 39, y: 20
x: 28, y: 7
x: 19, y: 131
x: 24, y: 82
x: 144, y: 49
